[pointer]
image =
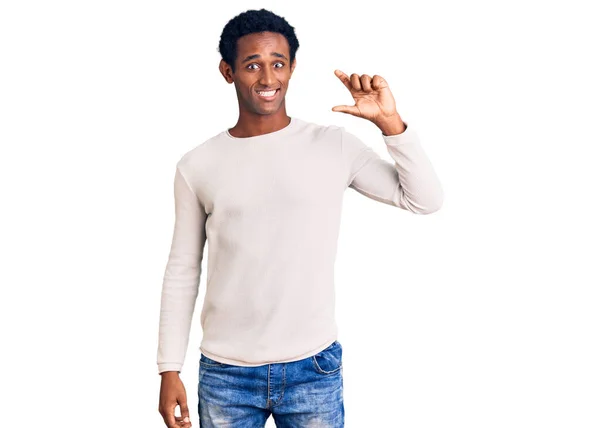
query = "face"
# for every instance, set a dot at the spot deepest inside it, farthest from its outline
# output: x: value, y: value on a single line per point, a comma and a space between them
x: 262, y: 64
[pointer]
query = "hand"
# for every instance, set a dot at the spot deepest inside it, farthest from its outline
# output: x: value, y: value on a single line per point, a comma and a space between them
x: 172, y: 393
x: 373, y: 98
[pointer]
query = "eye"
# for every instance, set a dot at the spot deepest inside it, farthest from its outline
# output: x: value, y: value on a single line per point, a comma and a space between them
x: 250, y: 65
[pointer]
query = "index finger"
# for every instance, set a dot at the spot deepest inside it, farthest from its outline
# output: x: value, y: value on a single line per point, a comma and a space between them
x: 169, y: 418
x: 344, y: 78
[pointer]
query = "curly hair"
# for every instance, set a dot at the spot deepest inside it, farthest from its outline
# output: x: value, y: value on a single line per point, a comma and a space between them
x: 254, y: 21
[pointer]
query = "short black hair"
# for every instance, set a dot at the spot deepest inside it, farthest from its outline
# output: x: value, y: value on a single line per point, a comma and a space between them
x: 254, y: 21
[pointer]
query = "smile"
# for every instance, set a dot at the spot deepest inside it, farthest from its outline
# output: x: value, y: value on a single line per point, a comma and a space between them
x: 268, y: 95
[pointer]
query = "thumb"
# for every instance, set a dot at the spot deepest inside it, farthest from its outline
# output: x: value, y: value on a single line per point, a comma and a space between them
x: 353, y: 110
x: 185, y: 411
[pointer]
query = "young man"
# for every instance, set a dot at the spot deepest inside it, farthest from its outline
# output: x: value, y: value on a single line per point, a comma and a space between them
x: 267, y: 196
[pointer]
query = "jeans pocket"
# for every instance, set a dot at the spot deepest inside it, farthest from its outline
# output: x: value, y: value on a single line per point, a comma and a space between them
x: 209, y: 362
x: 329, y: 360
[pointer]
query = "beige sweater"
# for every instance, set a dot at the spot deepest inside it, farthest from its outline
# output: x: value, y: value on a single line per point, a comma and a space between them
x: 269, y: 207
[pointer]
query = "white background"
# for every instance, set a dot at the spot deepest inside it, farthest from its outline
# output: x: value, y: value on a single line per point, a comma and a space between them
x: 483, y: 314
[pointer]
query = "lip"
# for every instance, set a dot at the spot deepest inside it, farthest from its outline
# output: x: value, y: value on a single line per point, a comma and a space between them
x: 268, y: 98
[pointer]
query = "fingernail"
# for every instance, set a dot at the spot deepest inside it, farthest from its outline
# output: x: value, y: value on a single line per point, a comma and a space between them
x: 186, y: 419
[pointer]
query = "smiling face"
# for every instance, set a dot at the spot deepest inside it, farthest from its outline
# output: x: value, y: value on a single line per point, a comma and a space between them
x: 261, y: 67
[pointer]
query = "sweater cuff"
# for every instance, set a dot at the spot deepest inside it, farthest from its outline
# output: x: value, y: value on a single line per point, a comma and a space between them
x: 407, y: 137
x: 169, y: 367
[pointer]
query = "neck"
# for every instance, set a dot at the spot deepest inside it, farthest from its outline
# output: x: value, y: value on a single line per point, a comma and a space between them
x: 252, y: 125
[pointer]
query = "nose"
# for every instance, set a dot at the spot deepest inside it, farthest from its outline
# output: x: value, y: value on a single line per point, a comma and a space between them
x: 267, y: 77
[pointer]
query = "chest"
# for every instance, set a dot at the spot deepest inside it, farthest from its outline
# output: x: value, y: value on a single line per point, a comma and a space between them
x: 300, y: 177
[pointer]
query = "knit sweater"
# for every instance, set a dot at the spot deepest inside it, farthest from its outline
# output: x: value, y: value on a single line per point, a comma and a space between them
x: 269, y: 207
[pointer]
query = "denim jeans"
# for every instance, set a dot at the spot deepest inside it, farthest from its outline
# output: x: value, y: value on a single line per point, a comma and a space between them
x: 299, y: 394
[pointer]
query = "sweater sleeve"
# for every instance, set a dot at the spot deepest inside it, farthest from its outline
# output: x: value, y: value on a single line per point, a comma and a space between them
x: 409, y: 182
x: 182, y: 276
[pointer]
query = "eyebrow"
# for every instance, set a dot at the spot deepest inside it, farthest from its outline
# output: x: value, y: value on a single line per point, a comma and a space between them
x: 277, y: 54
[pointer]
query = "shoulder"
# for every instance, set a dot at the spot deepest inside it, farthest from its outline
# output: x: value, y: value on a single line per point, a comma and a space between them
x: 201, y: 152
x: 318, y: 131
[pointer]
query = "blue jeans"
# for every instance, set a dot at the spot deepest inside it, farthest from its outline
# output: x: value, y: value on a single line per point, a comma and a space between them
x: 299, y: 394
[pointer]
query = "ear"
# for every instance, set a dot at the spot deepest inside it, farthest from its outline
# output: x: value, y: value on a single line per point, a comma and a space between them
x: 293, y: 66
x: 226, y: 71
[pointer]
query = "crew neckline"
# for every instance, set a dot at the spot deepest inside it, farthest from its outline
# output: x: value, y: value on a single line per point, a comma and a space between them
x: 290, y: 126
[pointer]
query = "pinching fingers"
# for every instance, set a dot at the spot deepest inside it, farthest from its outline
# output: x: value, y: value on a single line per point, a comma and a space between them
x: 355, y: 81
x: 344, y: 78
x: 365, y: 81
x: 378, y: 82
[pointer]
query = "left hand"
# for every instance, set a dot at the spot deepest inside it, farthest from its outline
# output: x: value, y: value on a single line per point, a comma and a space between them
x: 373, y: 98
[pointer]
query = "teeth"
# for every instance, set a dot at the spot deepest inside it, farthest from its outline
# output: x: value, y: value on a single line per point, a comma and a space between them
x: 267, y: 94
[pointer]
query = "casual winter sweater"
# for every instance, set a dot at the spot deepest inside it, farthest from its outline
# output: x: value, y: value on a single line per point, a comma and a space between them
x: 269, y: 207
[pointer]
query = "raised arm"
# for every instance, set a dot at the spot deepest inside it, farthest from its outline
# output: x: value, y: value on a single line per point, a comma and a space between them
x: 409, y: 182
x: 182, y: 276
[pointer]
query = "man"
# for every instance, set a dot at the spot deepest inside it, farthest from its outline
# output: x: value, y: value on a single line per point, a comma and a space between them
x: 267, y: 196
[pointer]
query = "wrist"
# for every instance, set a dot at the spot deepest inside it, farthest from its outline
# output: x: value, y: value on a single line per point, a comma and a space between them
x: 392, y: 125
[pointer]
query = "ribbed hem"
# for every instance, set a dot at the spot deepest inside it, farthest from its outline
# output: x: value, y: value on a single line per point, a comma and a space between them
x: 310, y: 353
